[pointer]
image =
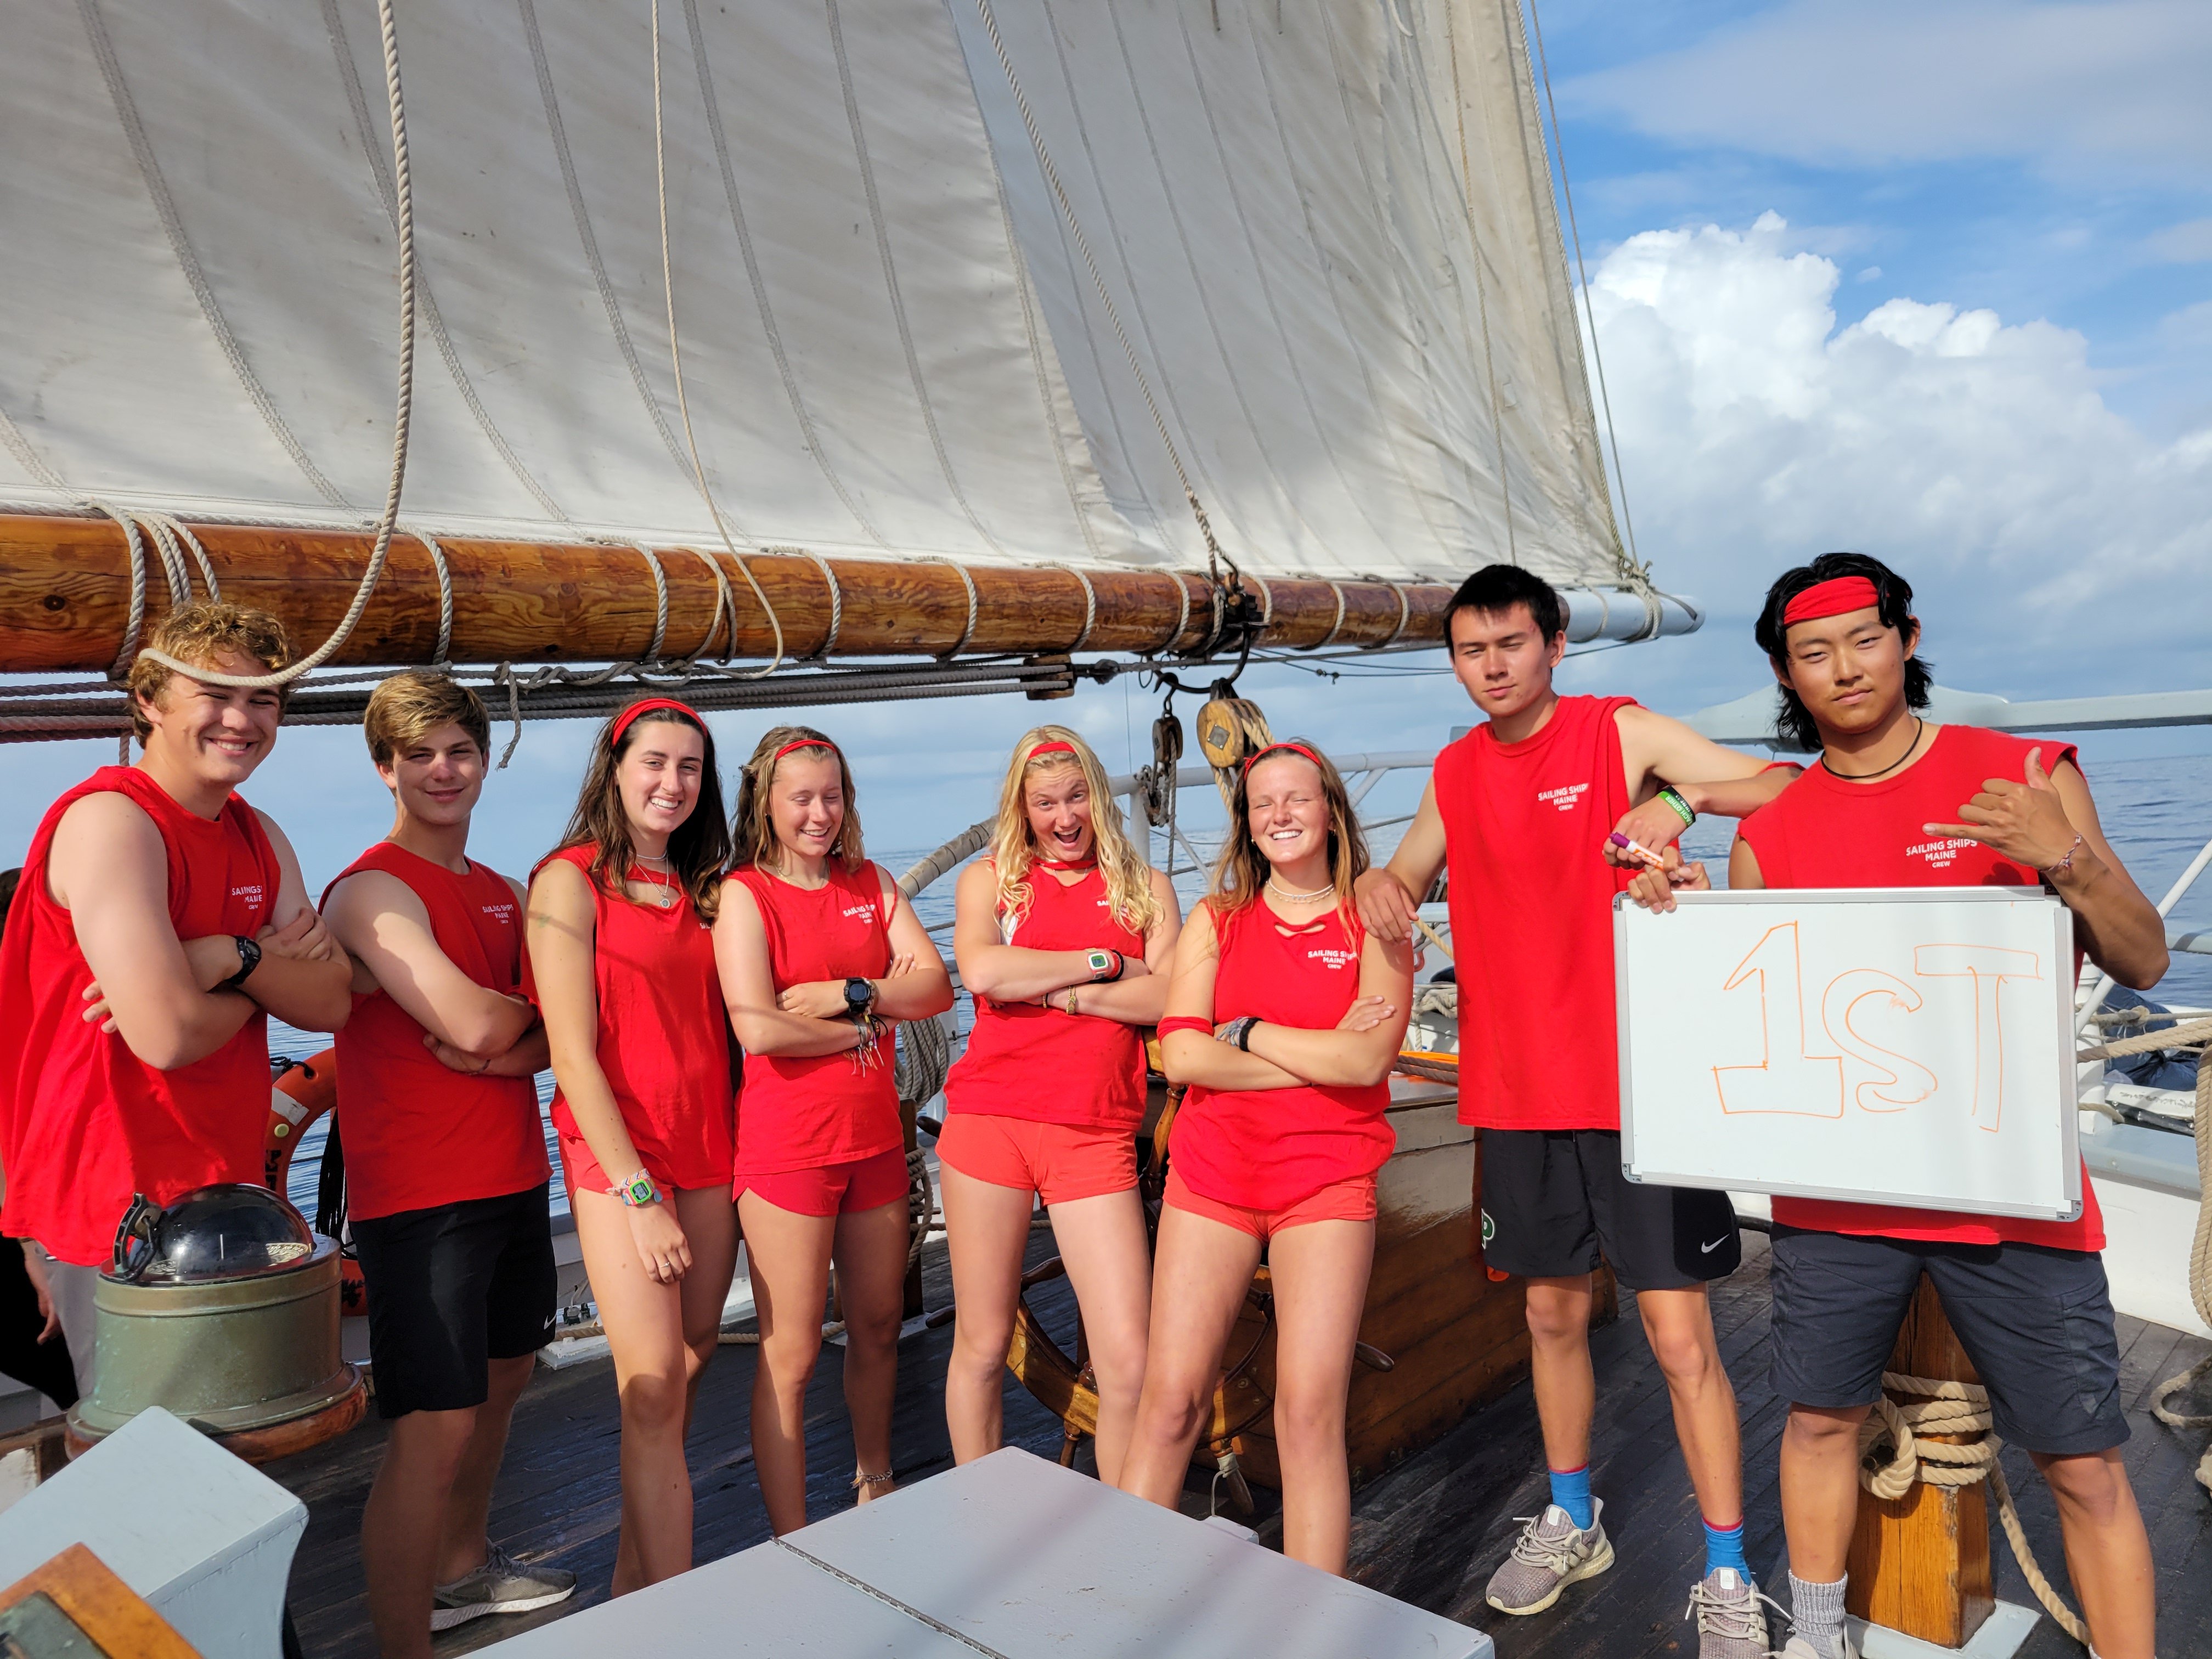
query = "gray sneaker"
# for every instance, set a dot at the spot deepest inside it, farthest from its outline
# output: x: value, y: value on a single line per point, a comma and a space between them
x: 1799, y: 1648
x: 1549, y: 1555
x: 1730, y: 1623
x: 502, y: 1584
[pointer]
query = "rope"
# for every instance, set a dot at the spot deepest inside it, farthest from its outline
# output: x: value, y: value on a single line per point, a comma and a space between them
x: 1892, y: 1456
x: 403, y: 197
x: 136, y: 620
x: 675, y: 363
x: 444, y: 659
x: 1336, y: 626
x: 1090, y: 608
x: 967, y: 632
x: 924, y: 871
x: 1405, y: 616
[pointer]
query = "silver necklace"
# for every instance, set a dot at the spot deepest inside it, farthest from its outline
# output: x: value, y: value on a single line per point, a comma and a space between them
x: 1290, y: 898
x: 667, y: 884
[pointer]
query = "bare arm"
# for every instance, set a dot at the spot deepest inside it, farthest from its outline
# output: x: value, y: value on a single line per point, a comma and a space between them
x: 1138, y: 997
x: 925, y: 989
x: 380, y: 920
x: 1360, y: 1050
x: 991, y: 967
x: 1714, y: 780
x: 1388, y: 897
x: 2034, y: 821
x: 307, y: 983
x: 560, y: 929
x: 1199, y: 1056
x: 108, y: 868
x: 741, y: 955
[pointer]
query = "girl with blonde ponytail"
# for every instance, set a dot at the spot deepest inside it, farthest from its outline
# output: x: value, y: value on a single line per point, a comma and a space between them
x: 1063, y: 933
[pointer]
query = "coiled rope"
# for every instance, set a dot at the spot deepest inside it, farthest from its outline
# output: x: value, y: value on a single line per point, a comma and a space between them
x: 403, y: 203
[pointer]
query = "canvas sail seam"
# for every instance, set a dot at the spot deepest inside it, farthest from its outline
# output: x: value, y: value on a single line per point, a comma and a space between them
x: 180, y: 246
x: 897, y: 300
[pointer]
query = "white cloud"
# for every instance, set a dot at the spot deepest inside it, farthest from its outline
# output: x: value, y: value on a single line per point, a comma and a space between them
x: 1977, y: 455
x: 2073, y: 87
x: 2186, y: 244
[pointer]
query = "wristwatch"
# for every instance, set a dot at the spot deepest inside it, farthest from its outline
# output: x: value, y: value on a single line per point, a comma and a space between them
x: 1103, y: 964
x: 859, y: 997
x: 638, y: 1191
x: 249, y: 959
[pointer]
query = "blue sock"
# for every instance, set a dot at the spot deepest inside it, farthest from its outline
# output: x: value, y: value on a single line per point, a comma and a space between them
x: 1724, y: 1548
x: 1571, y: 1491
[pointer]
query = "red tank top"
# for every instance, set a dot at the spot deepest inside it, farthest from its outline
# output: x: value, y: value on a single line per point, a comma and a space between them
x: 809, y: 1113
x: 1531, y: 900
x: 1824, y: 832
x: 417, y: 1133
x: 1267, y: 1149
x: 664, y: 1034
x: 1039, y: 1064
x: 84, y: 1123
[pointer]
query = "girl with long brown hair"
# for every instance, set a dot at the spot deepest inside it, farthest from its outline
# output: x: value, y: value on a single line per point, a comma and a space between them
x: 622, y: 957
x: 1283, y: 1017
x: 818, y: 954
x: 1063, y: 934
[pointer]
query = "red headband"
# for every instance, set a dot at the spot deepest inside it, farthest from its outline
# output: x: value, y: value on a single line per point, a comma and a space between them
x: 629, y: 716
x: 1830, y: 598
x: 1276, y: 748
x: 1055, y: 747
x: 800, y: 742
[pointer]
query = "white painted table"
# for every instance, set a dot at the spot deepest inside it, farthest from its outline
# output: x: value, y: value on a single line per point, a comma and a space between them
x: 1011, y: 1557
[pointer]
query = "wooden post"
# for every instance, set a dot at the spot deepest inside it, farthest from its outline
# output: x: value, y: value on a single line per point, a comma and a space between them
x: 1920, y: 1564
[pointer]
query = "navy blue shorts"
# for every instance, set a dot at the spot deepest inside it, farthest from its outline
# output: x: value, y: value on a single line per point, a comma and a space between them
x: 2036, y: 1321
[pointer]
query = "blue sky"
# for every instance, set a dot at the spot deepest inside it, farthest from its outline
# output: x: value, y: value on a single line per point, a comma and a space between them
x: 1933, y: 279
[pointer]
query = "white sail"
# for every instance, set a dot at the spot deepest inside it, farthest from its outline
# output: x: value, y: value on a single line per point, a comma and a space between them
x: 1326, y: 231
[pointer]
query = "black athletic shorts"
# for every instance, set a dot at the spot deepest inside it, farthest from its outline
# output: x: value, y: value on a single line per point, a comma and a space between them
x: 450, y: 1288
x: 1554, y: 1200
x: 2036, y: 1321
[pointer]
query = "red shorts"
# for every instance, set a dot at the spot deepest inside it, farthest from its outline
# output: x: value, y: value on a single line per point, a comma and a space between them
x: 1340, y: 1200
x: 1060, y: 1163
x: 867, y: 1183
x: 581, y: 1172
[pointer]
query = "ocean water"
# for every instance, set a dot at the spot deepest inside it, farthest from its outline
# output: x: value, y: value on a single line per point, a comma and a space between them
x: 2156, y: 813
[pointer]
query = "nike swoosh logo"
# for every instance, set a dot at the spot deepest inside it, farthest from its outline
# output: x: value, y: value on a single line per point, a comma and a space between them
x: 1707, y: 1250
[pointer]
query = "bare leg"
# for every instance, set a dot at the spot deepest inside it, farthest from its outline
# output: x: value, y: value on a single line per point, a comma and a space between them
x: 1110, y: 1265
x: 987, y: 1229
x: 1320, y: 1272
x: 468, y: 1508
x: 402, y: 1528
x: 2107, y: 1552
x: 1820, y: 1488
x: 871, y: 1254
x: 1560, y: 1367
x: 644, y: 1323
x: 1679, y: 1325
x: 790, y: 1256
x: 1200, y: 1277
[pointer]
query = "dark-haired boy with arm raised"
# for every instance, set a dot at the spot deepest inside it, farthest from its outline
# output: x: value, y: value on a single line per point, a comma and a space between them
x: 1895, y: 800
x: 1520, y: 811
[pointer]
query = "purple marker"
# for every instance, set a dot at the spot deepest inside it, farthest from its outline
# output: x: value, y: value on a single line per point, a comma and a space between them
x: 1638, y: 850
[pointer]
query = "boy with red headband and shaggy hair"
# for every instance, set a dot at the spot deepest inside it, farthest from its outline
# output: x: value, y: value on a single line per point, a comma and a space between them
x: 1895, y: 800
x: 1521, y: 809
x: 446, y: 1169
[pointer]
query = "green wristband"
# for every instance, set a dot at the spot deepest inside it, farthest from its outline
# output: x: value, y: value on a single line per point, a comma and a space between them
x: 1673, y: 797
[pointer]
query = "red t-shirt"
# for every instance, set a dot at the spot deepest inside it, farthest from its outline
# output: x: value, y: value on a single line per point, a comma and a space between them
x: 664, y: 1040
x: 1267, y: 1149
x: 1823, y: 831
x: 85, y: 1123
x: 1531, y: 899
x: 808, y: 1113
x: 418, y: 1135
x: 1027, y: 1061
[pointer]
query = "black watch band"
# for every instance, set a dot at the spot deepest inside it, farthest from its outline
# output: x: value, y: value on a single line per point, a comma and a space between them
x: 249, y: 959
x: 859, y: 996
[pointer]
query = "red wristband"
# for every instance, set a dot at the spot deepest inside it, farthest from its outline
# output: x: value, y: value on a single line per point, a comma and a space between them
x: 1184, y: 1023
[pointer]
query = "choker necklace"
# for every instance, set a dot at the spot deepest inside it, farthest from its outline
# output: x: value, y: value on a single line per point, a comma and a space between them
x: 1091, y: 863
x: 1290, y: 898
x: 1910, y: 749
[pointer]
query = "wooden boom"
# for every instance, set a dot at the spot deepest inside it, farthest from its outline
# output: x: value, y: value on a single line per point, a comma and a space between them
x: 65, y: 591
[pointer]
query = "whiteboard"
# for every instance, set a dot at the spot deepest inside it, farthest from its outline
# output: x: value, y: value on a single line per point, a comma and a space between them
x: 1886, y: 1045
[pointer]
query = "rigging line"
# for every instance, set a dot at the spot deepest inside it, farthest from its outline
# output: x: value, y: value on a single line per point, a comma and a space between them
x: 897, y: 300
x: 403, y: 419
x: 29, y: 459
x: 745, y: 252
x: 1481, y: 287
x: 1215, y: 558
x: 1597, y: 357
x: 350, y: 74
x: 675, y: 363
x: 180, y: 246
x: 444, y: 659
x: 608, y: 300
x: 135, y: 546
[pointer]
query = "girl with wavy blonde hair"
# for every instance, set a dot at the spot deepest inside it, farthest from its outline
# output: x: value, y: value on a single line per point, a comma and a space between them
x: 1063, y: 933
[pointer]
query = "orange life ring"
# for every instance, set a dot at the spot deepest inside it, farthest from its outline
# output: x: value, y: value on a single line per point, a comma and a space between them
x: 304, y: 1093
